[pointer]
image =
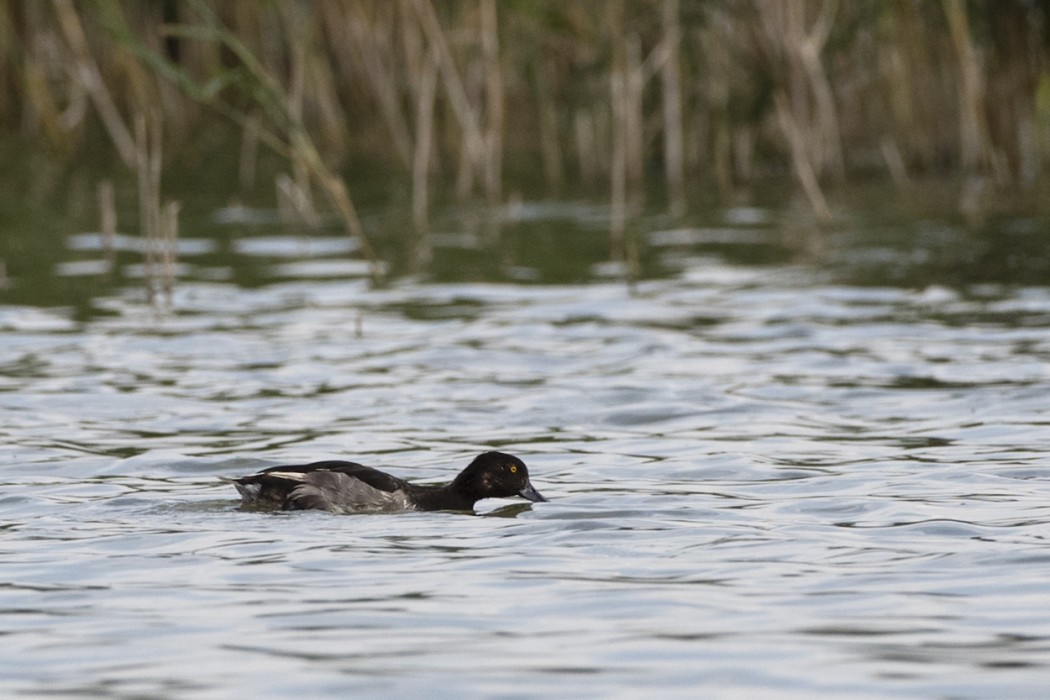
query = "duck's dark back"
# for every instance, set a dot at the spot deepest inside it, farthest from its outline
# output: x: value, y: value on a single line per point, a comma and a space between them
x: 373, y: 477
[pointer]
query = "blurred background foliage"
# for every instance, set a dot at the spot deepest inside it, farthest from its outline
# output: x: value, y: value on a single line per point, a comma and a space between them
x: 636, y: 102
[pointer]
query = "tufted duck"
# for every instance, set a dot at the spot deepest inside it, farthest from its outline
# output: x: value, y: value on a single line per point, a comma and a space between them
x: 347, y: 487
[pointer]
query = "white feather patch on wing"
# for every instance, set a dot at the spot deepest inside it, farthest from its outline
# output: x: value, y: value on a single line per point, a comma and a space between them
x: 290, y: 476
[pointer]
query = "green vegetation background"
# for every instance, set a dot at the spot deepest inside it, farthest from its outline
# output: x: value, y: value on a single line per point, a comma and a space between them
x: 635, y: 102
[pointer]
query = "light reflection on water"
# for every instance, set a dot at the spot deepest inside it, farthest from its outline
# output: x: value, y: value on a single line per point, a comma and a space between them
x: 763, y: 483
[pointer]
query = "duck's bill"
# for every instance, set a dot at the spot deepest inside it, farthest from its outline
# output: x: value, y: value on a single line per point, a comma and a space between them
x: 531, y: 494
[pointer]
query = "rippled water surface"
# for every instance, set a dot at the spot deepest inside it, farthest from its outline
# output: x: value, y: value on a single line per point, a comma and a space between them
x: 769, y: 476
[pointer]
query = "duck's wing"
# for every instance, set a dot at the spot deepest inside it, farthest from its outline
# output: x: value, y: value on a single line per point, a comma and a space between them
x: 373, y: 477
x: 339, y: 492
x: 330, y: 485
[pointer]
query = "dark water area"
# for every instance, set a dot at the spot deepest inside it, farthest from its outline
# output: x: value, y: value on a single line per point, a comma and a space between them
x: 788, y: 461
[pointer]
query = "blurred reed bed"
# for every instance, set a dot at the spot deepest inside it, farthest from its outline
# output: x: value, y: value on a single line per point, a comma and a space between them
x: 616, y: 100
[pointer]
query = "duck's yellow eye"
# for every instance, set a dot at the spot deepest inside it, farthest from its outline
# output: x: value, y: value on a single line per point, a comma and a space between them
x: 514, y: 469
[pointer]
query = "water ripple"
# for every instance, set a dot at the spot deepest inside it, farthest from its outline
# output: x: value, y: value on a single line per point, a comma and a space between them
x: 760, y: 480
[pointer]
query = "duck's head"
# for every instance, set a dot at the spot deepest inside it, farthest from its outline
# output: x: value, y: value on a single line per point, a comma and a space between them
x: 496, y: 475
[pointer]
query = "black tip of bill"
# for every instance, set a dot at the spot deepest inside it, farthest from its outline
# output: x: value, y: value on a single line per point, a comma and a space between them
x: 531, y: 494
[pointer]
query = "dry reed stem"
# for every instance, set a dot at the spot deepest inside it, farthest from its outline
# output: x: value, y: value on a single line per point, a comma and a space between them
x: 494, y: 103
x: 363, y: 38
x: 973, y: 131
x: 86, y: 72
x: 803, y: 104
x: 797, y: 140
x: 107, y: 219
x: 304, y: 194
x: 467, y: 116
x: 169, y: 248
x: 898, y: 171
x: 633, y: 118
x: 295, y: 205
x: 810, y: 48
x: 618, y: 98
x: 340, y: 199
x: 714, y: 131
x: 47, y: 113
x: 671, y: 83
x: 547, y: 123
x: 148, y: 170
x: 586, y: 157
x: 305, y: 154
x: 424, y: 142
x: 618, y: 169
x: 249, y: 155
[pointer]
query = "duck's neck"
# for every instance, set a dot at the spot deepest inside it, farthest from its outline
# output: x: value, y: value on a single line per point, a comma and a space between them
x: 441, y: 498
